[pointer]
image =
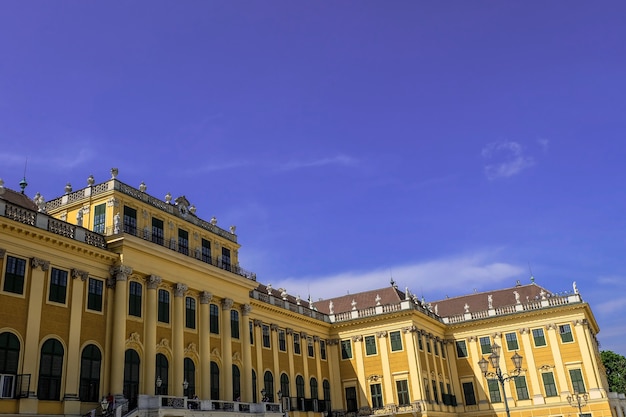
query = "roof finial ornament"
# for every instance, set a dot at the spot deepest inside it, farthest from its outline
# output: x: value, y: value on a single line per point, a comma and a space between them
x: 114, y: 172
x: 393, y: 283
x: 23, y: 184
x: 1, y: 186
x: 90, y: 180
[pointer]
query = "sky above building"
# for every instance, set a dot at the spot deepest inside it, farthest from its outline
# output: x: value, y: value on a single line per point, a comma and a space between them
x: 454, y: 147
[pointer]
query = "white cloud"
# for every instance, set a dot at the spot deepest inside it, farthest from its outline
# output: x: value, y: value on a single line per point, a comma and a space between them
x: 342, y: 160
x: 434, y: 278
x: 508, y: 157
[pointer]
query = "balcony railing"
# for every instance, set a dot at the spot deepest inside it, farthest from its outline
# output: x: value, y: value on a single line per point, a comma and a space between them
x: 52, y: 225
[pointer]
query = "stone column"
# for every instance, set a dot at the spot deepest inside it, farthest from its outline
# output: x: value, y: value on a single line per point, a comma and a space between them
x: 120, y: 275
x: 415, y: 375
x: 149, y: 368
x: 334, y: 358
x: 227, y: 350
x: 246, y: 374
x: 178, y: 339
x: 529, y: 358
x: 318, y: 368
x: 360, y: 369
x: 258, y: 342
x: 205, y: 345
x: 590, y: 365
x: 384, y: 360
x: 276, y: 369
x: 39, y: 268
x: 72, y: 404
x: 304, y: 343
x: 559, y: 367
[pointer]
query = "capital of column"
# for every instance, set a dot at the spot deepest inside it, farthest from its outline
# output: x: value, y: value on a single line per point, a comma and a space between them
x: 227, y: 303
x: 36, y: 262
x: 258, y: 323
x: 153, y: 281
x: 180, y: 289
x: 246, y: 309
x: 357, y: 338
x: 497, y: 335
x: 289, y: 330
x: 274, y: 327
x: 316, y: 339
x: 409, y: 329
x: 550, y: 326
x: 2, y: 252
x: 205, y: 297
x: 121, y: 272
x: 382, y: 334
x: 524, y: 330
x: 332, y: 342
x: 77, y: 273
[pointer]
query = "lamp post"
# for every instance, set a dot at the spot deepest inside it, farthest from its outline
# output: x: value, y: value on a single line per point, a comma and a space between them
x: 263, y: 398
x: 498, y: 375
x: 158, y: 384
x: 578, y: 401
x: 185, y: 386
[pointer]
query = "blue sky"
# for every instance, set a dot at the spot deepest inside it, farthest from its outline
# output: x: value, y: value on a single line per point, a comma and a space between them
x: 452, y: 146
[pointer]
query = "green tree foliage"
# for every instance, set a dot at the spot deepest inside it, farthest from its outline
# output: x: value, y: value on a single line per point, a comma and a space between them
x: 615, y: 365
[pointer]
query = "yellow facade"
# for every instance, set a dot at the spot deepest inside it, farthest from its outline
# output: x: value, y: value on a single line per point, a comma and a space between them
x: 110, y: 292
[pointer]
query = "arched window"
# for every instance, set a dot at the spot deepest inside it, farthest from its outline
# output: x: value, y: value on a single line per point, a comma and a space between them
x: 254, y: 387
x: 300, y: 386
x: 284, y: 385
x: 9, y: 359
x: 314, y: 388
x: 326, y: 387
x: 234, y: 324
x: 215, y: 381
x: 131, y: 377
x: 50, y: 370
x: 190, y: 377
x: 90, y: 374
x: 236, y: 383
x: 268, y: 385
x: 162, y: 373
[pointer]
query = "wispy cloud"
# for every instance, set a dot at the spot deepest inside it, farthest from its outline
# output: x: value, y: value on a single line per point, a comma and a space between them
x: 461, y: 274
x: 341, y: 160
x: 506, y: 158
x: 220, y: 166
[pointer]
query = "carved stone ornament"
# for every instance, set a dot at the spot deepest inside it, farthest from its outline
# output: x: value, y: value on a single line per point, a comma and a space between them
x: 273, y: 327
x: 524, y: 330
x: 409, y: 329
x: 205, y: 297
x: 580, y: 322
x: 2, y: 253
x: 545, y: 368
x: 180, y: 289
x: 303, y: 335
x: 134, y: 338
x: 120, y: 272
x: 191, y: 348
x: 550, y: 326
x: 258, y: 323
x: 472, y: 339
x: 357, y: 338
x: 227, y: 303
x: 382, y: 334
x: 36, y: 262
x: 77, y: 273
x: 153, y: 281
x: 316, y: 339
x: 289, y: 330
x: 496, y: 335
x: 164, y: 343
x: 332, y: 342
x: 374, y: 378
x: 246, y: 309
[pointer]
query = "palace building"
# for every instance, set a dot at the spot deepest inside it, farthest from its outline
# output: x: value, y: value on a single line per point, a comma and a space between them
x: 116, y: 302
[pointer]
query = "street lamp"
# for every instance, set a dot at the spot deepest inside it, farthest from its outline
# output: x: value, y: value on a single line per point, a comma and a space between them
x: 158, y: 384
x: 578, y: 401
x: 263, y: 397
x: 494, y: 359
x: 185, y: 386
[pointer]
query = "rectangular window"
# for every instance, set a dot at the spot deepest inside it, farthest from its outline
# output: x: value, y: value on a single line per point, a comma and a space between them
x: 130, y: 220
x: 310, y: 347
x: 226, y: 259
x: 346, y: 349
x: 157, y: 231
x: 548, y: 384
x: 164, y: 306
x: 190, y: 313
x: 234, y: 324
x: 58, y: 286
x: 443, y: 350
x: 282, y: 341
x: 370, y: 345
x: 396, y: 341
x: 420, y: 343
x: 485, y: 345
x: 183, y: 241
x: 436, y: 347
x: 403, y: 392
x: 251, y: 329
x: 469, y: 394
x: 99, y: 218
x: 566, y: 333
x: 296, y: 343
x: 134, y: 299
x: 323, y: 349
x: 511, y: 341
x: 14, y: 275
x: 494, y: 391
x: 578, y: 384
x: 539, y: 338
x: 521, y: 388
x: 435, y: 396
x: 461, y: 349
x: 377, y: 395
x: 214, y: 319
x: 428, y: 345
x: 266, y: 335
x: 94, y: 294
x: 206, y: 251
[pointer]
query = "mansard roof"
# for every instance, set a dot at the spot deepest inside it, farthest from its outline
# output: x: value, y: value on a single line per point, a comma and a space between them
x: 366, y: 299
x: 18, y: 199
